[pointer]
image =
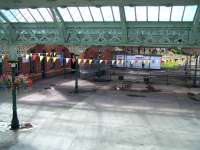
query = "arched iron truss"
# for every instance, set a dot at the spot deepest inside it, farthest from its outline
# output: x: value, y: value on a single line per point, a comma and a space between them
x: 122, y: 33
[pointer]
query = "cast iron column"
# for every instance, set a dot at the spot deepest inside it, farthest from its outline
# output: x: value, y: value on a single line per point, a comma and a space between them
x: 15, y: 121
x: 195, y: 73
x: 76, y: 76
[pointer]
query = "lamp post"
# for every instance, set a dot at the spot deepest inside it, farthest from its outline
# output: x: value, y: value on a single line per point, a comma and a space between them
x: 15, y: 122
x: 195, y: 72
x: 76, y: 75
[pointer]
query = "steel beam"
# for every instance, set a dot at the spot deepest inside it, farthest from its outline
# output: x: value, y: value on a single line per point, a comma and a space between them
x: 123, y: 24
x: 60, y: 23
x: 196, y: 20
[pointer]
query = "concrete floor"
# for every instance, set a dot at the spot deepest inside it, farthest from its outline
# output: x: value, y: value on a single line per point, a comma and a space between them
x: 101, y: 119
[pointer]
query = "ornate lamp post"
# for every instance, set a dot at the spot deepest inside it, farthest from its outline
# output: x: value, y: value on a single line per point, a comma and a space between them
x: 15, y: 121
x: 13, y: 61
x: 195, y: 71
x: 76, y: 75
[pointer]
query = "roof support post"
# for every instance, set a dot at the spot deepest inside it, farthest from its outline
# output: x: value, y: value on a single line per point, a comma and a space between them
x: 195, y: 26
x: 9, y: 29
x: 60, y: 23
x: 196, y: 19
x: 123, y: 25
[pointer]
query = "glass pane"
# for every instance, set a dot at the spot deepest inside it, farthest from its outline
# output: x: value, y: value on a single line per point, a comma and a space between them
x: 35, y: 13
x: 107, y: 13
x: 116, y: 13
x: 152, y: 13
x: 75, y: 13
x: 129, y: 13
x: 141, y: 13
x: 18, y: 15
x: 96, y: 13
x: 65, y: 14
x: 46, y: 14
x: 9, y: 16
x: 164, y: 13
x: 1, y: 19
x: 177, y: 13
x: 189, y: 13
x: 27, y: 15
x: 85, y: 12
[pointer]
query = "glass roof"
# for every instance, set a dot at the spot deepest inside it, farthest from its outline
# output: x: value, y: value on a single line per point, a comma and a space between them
x: 97, y: 14
x: 65, y: 14
x: 27, y: 15
x: 130, y: 13
x: 153, y: 13
x: 1, y: 19
x: 75, y: 13
x: 116, y: 13
x: 177, y: 13
x: 101, y: 14
x: 36, y: 15
x: 189, y: 13
x: 160, y: 13
x: 141, y: 13
x: 107, y: 13
x: 46, y: 14
x: 165, y: 13
x: 18, y: 15
x: 9, y: 15
x: 85, y: 12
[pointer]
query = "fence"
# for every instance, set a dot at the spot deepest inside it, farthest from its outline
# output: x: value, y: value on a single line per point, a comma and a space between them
x: 97, y: 72
x: 181, y: 75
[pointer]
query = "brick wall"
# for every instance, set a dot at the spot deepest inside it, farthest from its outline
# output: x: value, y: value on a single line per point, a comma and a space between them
x: 51, y: 68
x: 93, y: 52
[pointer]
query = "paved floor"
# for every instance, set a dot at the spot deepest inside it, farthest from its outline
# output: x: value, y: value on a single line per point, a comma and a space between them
x: 101, y: 118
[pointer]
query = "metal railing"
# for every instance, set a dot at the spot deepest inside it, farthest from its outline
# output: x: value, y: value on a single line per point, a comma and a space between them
x: 182, y: 75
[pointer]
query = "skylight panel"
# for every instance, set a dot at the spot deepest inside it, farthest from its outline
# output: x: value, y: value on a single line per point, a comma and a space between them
x: 153, y: 13
x: 129, y: 13
x: 164, y: 13
x: 177, y: 13
x: 85, y: 13
x: 189, y: 13
x: 35, y: 13
x: 46, y: 14
x: 116, y: 13
x: 96, y: 14
x: 18, y: 15
x: 9, y: 16
x: 65, y: 14
x: 107, y: 13
x: 141, y: 13
x: 75, y: 13
x: 2, y: 20
x: 27, y: 15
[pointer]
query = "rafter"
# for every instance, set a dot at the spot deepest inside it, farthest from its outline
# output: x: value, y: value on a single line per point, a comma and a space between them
x: 60, y: 23
x: 196, y: 20
x: 123, y: 24
x: 9, y: 29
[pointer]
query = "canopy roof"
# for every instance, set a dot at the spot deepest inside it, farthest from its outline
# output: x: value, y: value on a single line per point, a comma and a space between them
x: 101, y: 14
x: 63, y: 3
x: 154, y: 23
